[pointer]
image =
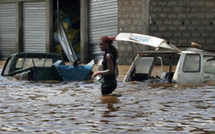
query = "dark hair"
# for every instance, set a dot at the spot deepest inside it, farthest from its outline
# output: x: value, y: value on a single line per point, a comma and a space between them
x: 109, y: 40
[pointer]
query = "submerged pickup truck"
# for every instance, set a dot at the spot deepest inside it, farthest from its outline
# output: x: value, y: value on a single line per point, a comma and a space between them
x: 42, y: 67
x: 186, y: 64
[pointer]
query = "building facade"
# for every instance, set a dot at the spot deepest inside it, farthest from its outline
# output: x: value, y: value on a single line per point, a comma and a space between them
x: 25, y: 26
x: 29, y: 25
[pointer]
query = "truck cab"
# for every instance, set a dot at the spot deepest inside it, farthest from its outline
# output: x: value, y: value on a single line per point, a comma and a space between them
x: 168, y: 63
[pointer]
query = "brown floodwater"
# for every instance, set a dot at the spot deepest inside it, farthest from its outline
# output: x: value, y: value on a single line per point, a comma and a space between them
x: 78, y: 107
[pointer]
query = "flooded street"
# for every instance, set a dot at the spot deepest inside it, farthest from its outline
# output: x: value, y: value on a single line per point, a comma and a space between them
x: 78, y: 107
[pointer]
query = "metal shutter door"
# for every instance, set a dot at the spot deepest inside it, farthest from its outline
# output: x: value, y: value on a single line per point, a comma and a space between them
x: 102, y: 22
x: 34, y: 27
x: 7, y: 29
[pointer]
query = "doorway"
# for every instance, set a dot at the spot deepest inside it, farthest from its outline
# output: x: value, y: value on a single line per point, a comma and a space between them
x: 70, y: 17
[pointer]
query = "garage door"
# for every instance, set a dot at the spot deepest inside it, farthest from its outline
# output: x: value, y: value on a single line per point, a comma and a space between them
x: 7, y: 30
x: 34, y: 27
x: 102, y: 22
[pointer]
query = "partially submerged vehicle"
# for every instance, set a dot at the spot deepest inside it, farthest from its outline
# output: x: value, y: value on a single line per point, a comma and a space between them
x: 48, y: 66
x: 44, y: 66
x: 186, y: 64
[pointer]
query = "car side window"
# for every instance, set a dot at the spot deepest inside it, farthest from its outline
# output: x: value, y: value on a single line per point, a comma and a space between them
x: 209, y: 64
x: 42, y: 62
x: 19, y: 63
x: 192, y: 63
x: 24, y: 63
x: 30, y: 62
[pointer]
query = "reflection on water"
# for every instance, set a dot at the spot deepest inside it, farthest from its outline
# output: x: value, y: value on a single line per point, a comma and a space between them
x: 78, y: 107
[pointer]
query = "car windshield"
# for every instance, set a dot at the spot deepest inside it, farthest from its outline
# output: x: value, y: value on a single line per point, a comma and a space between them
x: 144, y: 65
x: 6, y: 70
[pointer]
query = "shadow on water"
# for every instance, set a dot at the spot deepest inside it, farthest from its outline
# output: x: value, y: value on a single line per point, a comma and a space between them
x: 79, y: 107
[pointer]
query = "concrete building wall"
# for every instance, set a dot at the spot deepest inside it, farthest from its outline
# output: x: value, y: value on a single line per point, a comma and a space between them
x: 185, y: 21
x: 179, y: 21
x: 131, y: 18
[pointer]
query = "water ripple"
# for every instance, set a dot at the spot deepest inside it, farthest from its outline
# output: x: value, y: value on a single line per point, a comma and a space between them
x: 78, y: 107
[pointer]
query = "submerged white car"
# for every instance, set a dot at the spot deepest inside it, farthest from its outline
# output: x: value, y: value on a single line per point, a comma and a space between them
x: 168, y: 63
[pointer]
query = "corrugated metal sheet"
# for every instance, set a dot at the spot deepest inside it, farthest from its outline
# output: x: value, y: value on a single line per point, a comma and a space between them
x: 34, y: 27
x: 102, y: 22
x: 7, y: 29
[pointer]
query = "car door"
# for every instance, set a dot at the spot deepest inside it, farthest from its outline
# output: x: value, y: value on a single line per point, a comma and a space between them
x: 189, y: 69
x: 208, y: 67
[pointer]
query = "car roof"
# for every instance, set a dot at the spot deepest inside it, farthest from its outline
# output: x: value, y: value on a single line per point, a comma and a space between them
x: 39, y: 55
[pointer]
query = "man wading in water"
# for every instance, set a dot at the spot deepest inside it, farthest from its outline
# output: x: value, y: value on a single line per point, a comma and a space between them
x: 109, y: 82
